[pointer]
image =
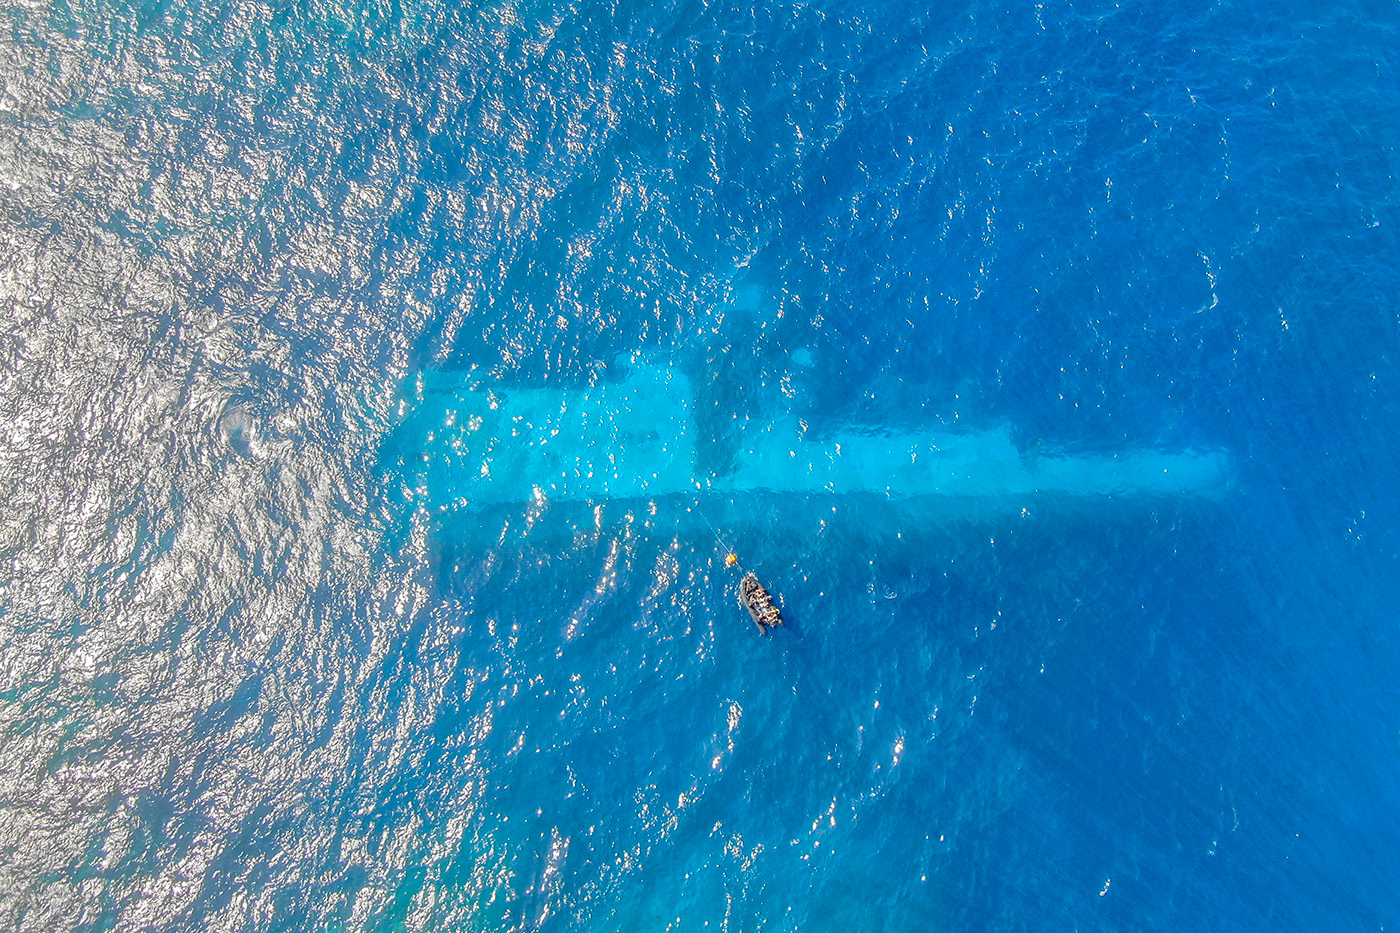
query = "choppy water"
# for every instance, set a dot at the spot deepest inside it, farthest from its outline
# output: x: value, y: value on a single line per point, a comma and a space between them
x: 265, y: 670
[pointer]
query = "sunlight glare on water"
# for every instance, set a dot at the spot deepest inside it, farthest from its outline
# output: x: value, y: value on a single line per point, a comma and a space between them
x: 382, y: 388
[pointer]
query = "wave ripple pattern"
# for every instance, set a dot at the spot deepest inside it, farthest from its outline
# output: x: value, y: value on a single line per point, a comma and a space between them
x: 262, y: 670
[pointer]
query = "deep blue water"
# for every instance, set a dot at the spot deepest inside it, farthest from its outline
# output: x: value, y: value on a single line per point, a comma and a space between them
x: 263, y: 671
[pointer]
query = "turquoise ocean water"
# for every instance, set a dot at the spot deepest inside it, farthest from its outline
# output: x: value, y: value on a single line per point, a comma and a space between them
x: 383, y: 385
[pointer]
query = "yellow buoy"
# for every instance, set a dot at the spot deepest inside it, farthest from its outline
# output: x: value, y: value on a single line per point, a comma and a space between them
x: 731, y: 560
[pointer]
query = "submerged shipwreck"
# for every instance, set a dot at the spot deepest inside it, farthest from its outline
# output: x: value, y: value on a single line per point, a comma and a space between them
x: 468, y: 442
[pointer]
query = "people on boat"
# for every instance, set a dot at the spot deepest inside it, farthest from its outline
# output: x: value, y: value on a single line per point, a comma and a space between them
x: 759, y: 602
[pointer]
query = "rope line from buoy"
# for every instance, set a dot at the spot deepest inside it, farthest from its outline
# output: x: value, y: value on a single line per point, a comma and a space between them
x: 731, y: 556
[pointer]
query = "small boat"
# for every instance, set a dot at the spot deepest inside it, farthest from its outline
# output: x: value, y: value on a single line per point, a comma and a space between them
x: 759, y: 602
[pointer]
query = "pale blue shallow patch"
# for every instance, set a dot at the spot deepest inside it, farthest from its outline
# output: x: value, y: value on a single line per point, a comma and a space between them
x: 469, y: 441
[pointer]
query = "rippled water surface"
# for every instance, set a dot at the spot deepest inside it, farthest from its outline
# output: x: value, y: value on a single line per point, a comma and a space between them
x: 304, y: 307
